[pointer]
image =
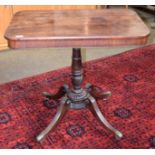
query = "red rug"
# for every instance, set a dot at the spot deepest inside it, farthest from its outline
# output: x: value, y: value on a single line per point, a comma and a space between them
x: 131, y: 78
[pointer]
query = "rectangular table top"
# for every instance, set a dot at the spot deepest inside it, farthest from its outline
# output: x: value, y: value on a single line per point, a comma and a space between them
x: 76, y: 28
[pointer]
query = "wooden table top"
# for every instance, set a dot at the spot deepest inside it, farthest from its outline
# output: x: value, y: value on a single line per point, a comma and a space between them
x: 76, y: 28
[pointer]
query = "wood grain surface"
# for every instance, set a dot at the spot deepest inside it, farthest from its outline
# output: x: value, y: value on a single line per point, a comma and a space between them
x: 76, y: 28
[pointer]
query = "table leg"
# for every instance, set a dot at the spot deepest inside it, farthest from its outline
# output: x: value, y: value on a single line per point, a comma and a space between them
x: 60, y: 93
x: 97, y: 92
x: 96, y: 111
x: 60, y: 113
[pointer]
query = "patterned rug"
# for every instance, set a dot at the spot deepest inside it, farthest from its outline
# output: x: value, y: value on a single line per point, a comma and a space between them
x: 131, y: 109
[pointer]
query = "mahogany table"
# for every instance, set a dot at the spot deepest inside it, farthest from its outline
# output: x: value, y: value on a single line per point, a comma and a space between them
x: 76, y: 29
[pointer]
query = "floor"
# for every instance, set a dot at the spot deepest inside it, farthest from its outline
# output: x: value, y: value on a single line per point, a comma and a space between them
x: 17, y: 64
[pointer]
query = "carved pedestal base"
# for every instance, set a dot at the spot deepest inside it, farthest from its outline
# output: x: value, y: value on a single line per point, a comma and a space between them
x: 78, y: 98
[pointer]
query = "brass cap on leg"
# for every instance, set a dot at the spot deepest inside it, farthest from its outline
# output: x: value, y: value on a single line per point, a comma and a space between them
x: 40, y: 137
x: 118, y: 135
